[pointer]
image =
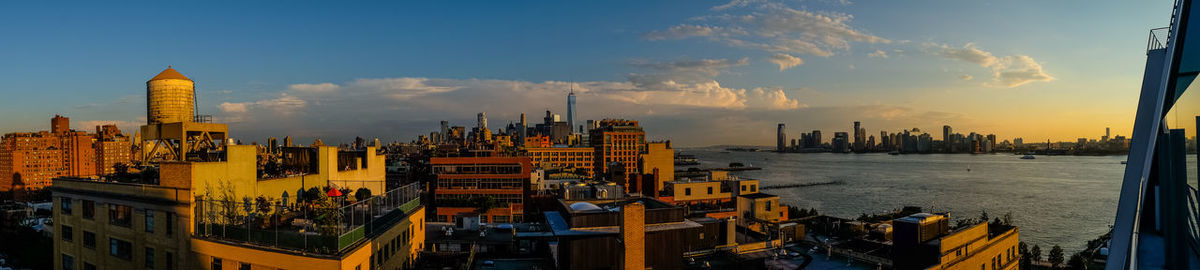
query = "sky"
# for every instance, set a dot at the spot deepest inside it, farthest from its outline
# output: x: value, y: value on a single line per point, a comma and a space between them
x: 695, y: 72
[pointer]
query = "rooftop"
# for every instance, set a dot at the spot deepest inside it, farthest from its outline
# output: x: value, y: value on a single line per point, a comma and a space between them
x: 170, y: 74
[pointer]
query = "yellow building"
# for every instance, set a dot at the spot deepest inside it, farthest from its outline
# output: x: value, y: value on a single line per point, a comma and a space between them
x: 568, y: 159
x: 659, y: 158
x: 757, y: 210
x: 925, y: 241
x: 196, y: 217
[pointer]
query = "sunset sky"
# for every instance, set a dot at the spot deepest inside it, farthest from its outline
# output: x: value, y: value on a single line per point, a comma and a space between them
x: 696, y: 72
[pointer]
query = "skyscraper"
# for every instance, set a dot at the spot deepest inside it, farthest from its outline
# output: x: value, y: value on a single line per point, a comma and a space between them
x: 523, y: 129
x: 571, y: 109
x: 859, y: 137
x: 445, y: 129
x: 780, y: 138
x: 946, y: 130
x: 482, y: 121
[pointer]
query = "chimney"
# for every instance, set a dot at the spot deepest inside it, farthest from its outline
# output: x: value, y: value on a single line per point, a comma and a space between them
x: 633, y: 236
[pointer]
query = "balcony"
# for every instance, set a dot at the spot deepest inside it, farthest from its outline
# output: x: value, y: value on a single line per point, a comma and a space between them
x: 316, y: 226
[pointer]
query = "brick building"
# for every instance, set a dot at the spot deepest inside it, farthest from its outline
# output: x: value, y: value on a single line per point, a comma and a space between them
x: 31, y: 159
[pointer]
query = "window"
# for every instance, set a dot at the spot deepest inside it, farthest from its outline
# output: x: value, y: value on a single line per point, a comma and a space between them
x: 89, y: 239
x: 216, y: 264
x: 244, y: 266
x: 120, y: 215
x: 170, y: 261
x: 149, y: 258
x: 743, y: 188
x: 768, y: 206
x: 709, y: 190
x: 68, y: 262
x: 89, y: 209
x: 120, y: 248
x: 68, y: 233
x: 88, y: 266
x: 687, y: 191
x: 149, y: 221
x: 170, y: 223
x: 753, y: 188
x: 65, y: 205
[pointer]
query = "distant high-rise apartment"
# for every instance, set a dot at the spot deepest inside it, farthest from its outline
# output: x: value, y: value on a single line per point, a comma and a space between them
x: 781, y: 138
x: 31, y: 159
x: 457, y: 186
x: 112, y: 148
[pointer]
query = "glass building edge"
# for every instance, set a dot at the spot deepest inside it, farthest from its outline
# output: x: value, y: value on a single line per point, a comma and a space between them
x: 1127, y: 249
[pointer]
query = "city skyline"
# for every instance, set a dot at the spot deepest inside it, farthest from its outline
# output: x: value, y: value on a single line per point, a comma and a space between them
x: 677, y: 73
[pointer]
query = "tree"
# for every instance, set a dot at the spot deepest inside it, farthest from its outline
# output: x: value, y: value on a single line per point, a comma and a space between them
x: 362, y: 194
x: 1008, y: 219
x: 1056, y: 256
x: 1023, y: 249
x: 1077, y: 262
x: 484, y: 203
x: 983, y: 216
x: 1036, y: 253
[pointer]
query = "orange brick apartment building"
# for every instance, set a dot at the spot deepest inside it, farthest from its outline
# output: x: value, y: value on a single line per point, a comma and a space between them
x: 31, y: 159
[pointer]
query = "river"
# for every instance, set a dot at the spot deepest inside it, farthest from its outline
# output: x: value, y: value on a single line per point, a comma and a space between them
x: 1064, y: 200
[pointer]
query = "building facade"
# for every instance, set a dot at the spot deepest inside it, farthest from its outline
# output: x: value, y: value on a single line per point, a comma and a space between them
x: 462, y: 184
x: 30, y: 160
x: 620, y: 142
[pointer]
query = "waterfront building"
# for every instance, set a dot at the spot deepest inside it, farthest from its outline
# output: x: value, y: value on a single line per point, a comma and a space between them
x: 841, y: 142
x: 925, y: 241
x: 658, y: 161
x: 758, y: 211
x: 780, y: 138
x: 860, y: 138
x: 816, y: 138
x: 462, y: 184
x: 618, y: 141
x: 29, y: 160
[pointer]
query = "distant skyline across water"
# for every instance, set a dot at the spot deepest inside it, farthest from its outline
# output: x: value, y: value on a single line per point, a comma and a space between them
x: 688, y: 70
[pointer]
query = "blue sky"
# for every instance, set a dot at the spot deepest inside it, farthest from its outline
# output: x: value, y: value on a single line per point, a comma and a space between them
x: 393, y: 69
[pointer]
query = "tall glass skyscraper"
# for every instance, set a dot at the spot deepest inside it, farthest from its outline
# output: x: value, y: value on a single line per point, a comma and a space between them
x: 571, y: 110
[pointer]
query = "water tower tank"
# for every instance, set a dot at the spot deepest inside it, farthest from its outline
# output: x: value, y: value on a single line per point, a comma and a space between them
x: 170, y: 98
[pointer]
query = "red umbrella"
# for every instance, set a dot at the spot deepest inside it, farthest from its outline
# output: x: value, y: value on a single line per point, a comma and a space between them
x: 333, y: 192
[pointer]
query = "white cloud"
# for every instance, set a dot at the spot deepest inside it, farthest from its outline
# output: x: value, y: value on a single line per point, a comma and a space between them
x: 313, y: 88
x: 774, y: 28
x: 234, y: 107
x: 965, y: 77
x: 785, y: 61
x: 1008, y: 71
x: 878, y: 53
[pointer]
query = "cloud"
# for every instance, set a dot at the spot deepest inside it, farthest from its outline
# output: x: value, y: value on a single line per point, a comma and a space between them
x: 682, y: 31
x: 774, y: 28
x: 403, y: 106
x: 965, y: 77
x: 785, y: 61
x: 1007, y: 71
x: 313, y: 88
x: 878, y: 53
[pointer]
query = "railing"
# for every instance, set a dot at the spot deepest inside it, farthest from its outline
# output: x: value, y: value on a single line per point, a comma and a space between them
x: 1158, y: 38
x: 322, y: 227
x: 202, y: 118
x: 1193, y: 220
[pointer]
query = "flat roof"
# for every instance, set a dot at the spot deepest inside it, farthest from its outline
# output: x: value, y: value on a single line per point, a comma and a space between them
x: 757, y: 195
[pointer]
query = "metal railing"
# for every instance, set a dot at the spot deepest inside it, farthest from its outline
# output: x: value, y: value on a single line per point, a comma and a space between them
x: 1158, y: 38
x: 1193, y: 220
x: 322, y: 227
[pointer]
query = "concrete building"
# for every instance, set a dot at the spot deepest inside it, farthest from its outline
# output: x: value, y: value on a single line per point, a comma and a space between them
x: 659, y: 161
x: 759, y: 210
x: 925, y: 241
x: 463, y: 182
